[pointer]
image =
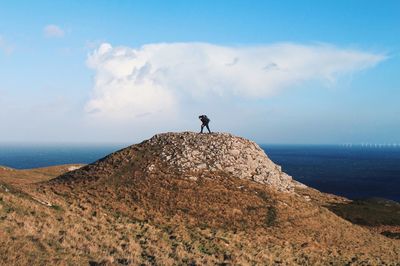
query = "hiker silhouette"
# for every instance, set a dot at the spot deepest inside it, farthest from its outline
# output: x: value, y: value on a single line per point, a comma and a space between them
x: 205, y: 120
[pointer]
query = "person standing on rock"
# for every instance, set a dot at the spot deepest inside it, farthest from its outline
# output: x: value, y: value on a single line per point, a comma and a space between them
x: 204, y: 120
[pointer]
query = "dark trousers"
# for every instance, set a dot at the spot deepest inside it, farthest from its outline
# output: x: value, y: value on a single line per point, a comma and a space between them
x: 205, y: 125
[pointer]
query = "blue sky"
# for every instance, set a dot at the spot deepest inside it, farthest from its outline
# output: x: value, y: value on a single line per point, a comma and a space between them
x: 55, y: 79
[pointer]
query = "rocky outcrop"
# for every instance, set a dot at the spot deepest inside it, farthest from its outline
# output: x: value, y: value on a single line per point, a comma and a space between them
x: 192, y: 155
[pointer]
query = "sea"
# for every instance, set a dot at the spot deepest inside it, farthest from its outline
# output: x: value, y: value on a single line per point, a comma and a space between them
x: 355, y: 171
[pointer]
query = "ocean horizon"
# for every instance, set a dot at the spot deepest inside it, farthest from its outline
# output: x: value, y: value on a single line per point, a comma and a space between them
x: 352, y: 171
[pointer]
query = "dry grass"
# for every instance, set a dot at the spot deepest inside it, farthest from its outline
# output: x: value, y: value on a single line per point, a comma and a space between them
x: 126, y: 216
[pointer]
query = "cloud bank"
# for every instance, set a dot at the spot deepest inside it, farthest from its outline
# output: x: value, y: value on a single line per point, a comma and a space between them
x: 155, y: 80
x: 53, y: 31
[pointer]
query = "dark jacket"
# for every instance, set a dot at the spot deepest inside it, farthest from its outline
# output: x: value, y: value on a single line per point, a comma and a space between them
x: 204, y: 119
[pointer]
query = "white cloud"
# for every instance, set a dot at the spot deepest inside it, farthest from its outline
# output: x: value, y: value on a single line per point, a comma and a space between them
x: 53, y: 31
x: 5, y: 46
x: 155, y: 80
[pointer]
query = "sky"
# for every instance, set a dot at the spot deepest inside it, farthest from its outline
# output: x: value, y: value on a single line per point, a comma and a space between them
x: 284, y: 72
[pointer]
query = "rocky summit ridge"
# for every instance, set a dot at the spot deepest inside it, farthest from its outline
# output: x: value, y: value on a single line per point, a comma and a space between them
x: 193, y: 155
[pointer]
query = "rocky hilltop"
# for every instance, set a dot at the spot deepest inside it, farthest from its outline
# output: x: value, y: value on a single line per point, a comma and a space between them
x: 192, y: 155
x: 185, y: 199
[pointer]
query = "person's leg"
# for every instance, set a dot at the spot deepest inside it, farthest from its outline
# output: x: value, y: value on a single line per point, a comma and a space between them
x: 202, y: 126
x: 209, y: 131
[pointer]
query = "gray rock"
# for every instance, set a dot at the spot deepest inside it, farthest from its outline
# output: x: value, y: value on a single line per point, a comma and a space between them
x: 189, y: 152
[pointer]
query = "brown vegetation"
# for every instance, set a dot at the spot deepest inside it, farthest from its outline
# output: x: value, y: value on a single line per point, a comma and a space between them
x: 119, y: 212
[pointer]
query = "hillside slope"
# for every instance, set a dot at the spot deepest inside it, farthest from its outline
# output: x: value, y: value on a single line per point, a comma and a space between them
x: 181, y: 198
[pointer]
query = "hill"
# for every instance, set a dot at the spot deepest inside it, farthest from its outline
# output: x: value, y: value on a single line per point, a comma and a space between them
x: 186, y: 199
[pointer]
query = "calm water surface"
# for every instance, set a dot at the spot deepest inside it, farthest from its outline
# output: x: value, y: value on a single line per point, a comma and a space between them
x: 356, y: 172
